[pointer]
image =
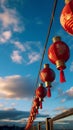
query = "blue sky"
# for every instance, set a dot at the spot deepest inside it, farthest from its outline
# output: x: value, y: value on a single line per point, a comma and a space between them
x: 23, y: 30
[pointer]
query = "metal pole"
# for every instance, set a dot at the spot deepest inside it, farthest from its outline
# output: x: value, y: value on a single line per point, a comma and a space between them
x: 39, y: 127
x: 49, y: 124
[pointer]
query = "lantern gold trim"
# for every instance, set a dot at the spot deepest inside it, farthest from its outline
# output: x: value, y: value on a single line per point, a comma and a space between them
x: 47, y: 83
x: 40, y: 99
x: 46, y: 65
x: 67, y: 1
x: 36, y: 107
x: 60, y: 63
x: 56, y: 39
x: 40, y: 84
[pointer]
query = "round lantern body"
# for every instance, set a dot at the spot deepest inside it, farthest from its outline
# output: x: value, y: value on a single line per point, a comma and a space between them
x: 58, y: 53
x: 36, y: 103
x: 32, y: 114
x: 33, y: 111
x: 47, y: 75
x: 66, y: 17
x: 41, y: 92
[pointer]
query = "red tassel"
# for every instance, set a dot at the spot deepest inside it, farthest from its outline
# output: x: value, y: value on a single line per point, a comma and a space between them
x: 62, y: 77
x: 48, y: 92
x: 40, y: 104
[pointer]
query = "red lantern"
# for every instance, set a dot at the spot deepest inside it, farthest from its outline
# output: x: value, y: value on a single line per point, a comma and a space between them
x: 36, y: 103
x: 58, y: 53
x: 47, y: 75
x: 66, y: 18
x: 41, y: 93
x: 33, y: 111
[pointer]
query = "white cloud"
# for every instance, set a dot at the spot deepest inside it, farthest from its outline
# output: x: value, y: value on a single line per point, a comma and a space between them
x: 70, y: 92
x: 19, y: 45
x: 63, y: 100
x: 62, y: 109
x: 1, y: 105
x: 10, y: 18
x: 16, y: 87
x: 33, y: 44
x: 71, y: 67
x: 67, y: 95
x: 16, y: 57
x: 5, y: 36
x: 33, y: 57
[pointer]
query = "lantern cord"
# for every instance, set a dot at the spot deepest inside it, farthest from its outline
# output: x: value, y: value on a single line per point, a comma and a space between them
x: 47, y: 38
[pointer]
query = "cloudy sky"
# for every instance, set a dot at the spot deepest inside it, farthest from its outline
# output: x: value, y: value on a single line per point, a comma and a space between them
x: 23, y: 30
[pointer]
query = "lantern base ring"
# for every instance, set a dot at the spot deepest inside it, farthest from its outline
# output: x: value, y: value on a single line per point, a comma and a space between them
x: 60, y: 64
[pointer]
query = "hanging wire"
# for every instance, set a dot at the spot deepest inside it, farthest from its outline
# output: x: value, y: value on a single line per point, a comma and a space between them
x: 47, y: 38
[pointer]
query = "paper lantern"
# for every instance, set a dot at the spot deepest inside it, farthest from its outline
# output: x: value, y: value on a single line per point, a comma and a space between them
x: 47, y: 75
x: 33, y: 110
x: 41, y: 93
x: 66, y: 17
x: 58, y: 53
x: 36, y: 103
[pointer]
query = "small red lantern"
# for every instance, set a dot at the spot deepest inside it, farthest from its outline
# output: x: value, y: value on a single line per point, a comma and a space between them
x: 33, y: 111
x: 41, y: 93
x: 47, y: 75
x: 66, y: 18
x: 36, y: 104
x: 58, y: 53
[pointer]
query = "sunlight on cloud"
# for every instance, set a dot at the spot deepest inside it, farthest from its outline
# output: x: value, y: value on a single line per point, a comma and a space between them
x: 33, y: 44
x: 70, y: 92
x: 13, y: 77
x: 9, y: 18
x: 16, y: 57
x: 19, y: 45
x: 61, y: 109
x: 5, y: 36
x: 34, y: 56
x: 16, y: 87
x: 32, y: 51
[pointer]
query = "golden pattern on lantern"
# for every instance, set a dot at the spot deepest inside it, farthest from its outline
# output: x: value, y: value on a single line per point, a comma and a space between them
x: 43, y: 75
x: 60, y: 49
x: 66, y: 17
x: 58, y: 54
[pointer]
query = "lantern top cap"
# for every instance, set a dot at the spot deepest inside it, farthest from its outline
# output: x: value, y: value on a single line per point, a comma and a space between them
x: 67, y: 1
x: 56, y: 38
x: 46, y: 65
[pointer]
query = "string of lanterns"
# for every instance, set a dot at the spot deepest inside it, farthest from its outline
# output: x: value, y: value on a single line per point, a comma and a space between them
x: 58, y: 54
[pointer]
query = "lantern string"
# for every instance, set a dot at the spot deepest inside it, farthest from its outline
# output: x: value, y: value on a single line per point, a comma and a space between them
x: 47, y: 38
